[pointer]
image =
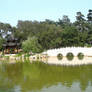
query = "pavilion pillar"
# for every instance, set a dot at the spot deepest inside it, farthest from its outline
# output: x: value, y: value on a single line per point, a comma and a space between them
x: 3, y: 51
x: 8, y: 50
x: 17, y: 50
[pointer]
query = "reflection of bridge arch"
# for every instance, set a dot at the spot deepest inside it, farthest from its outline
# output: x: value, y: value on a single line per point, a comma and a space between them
x: 75, y: 50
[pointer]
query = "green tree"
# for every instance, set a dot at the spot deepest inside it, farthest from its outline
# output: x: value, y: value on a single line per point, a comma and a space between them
x: 65, y: 21
x: 70, y: 36
x: 51, y: 38
x: 89, y: 16
x: 32, y: 45
x: 5, y: 28
x: 1, y: 42
x: 80, y: 22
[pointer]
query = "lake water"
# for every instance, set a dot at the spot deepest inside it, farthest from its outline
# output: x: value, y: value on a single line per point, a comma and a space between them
x: 39, y: 77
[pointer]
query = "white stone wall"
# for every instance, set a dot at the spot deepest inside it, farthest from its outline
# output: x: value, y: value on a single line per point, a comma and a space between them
x: 75, y: 50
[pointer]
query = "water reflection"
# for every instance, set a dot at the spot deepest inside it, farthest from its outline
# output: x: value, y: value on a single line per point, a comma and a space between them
x: 74, y: 61
x: 39, y: 77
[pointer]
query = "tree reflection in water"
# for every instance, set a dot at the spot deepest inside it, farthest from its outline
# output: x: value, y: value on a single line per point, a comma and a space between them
x: 26, y: 77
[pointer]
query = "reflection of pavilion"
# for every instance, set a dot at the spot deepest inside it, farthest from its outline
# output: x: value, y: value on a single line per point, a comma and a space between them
x: 11, y: 45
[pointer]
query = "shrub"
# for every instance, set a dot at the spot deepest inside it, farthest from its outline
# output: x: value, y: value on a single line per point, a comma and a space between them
x: 60, y: 56
x: 80, y: 56
x: 70, y: 56
x: 32, y: 44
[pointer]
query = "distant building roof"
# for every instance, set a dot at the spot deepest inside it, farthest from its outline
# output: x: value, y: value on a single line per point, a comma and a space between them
x: 11, y: 41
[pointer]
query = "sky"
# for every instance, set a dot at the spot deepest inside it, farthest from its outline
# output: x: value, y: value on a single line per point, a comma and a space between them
x: 13, y: 10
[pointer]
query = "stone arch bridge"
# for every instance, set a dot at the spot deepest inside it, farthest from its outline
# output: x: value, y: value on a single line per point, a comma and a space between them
x: 75, y: 50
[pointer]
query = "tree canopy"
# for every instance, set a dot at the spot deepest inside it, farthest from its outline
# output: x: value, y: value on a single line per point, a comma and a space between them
x: 37, y: 36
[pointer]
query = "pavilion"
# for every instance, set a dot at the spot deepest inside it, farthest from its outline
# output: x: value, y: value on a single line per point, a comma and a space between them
x: 11, y: 45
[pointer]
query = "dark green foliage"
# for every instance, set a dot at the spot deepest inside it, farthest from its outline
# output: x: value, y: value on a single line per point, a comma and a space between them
x: 50, y: 38
x: 70, y: 37
x: 70, y: 56
x: 89, y: 16
x: 51, y: 34
x: 80, y: 56
x: 60, y: 56
x: 1, y: 43
x: 31, y: 45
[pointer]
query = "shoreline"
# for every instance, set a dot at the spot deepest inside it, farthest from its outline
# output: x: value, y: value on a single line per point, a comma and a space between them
x: 50, y: 57
x: 55, y: 61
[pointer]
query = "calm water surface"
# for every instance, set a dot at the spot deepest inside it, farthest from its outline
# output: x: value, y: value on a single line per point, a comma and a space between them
x: 39, y: 77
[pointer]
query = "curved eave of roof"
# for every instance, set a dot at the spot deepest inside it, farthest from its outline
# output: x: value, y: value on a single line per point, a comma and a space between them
x: 11, y: 44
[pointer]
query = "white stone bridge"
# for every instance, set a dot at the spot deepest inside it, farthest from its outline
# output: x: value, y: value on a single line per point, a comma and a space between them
x: 75, y: 50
